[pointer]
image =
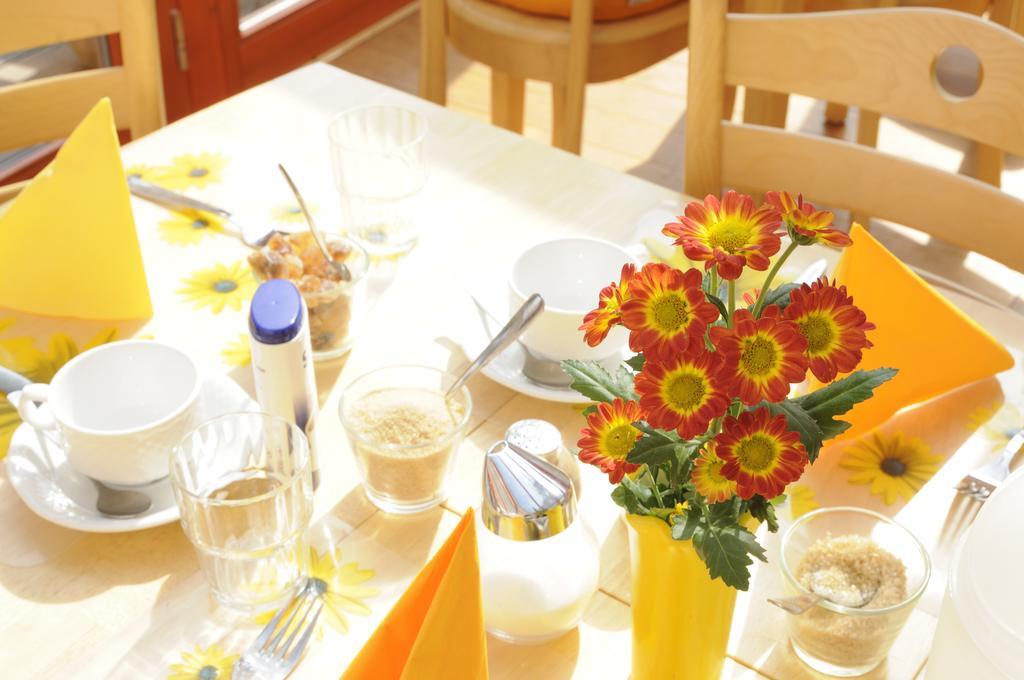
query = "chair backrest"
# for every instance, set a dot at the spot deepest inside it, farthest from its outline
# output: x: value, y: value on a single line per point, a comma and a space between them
x: 882, y: 60
x: 49, y: 108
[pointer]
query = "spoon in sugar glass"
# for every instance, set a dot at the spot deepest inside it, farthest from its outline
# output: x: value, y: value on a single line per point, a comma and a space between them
x: 822, y: 589
x: 526, y: 313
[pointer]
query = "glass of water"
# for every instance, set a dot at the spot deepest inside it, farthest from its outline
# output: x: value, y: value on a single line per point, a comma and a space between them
x: 377, y: 155
x: 244, y: 486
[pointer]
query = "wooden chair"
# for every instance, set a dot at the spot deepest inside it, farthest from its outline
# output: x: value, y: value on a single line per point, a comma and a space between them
x: 892, y: 52
x: 45, y: 109
x: 769, y: 108
x: 567, y: 54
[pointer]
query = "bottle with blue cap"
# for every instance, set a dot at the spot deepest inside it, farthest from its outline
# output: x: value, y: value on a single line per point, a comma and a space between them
x: 282, y: 359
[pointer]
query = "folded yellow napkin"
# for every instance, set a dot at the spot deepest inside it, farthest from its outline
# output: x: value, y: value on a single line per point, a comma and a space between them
x: 68, y: 245
x: 935, y: 346
x: 436, y: 630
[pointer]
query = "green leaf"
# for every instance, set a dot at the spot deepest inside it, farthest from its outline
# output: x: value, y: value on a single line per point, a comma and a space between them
x: 592, y: 408
x: 778, y: 296
x: 839, y: 397
x: 764, y: 511
x: 685, y: 525
x: 636, y: 362
x: 625, y: 496
x: 799, y: 421
x: 725, y: 553
x: 717, y: 302
x: 593, y: 381
x: 653, y: 449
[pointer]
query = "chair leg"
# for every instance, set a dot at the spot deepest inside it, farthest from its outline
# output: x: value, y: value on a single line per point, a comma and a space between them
x: 765, y: 108
x: 989, y: 165
x: 507, y: 96
x: 567, y: 118
x: 835, y: 114
x: 433, y: 55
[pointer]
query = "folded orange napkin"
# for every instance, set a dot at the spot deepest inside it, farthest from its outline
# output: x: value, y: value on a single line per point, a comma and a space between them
x: 436, y: 630
x: 935, y: 346
x: 69, y: 242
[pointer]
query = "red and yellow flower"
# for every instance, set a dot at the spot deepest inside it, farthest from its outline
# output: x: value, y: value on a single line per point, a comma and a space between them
x: 666, y: 311
x: 598, y: 322
x: 814, y: 225
x: 727, y: 235
x: 835, y: 329
x: 683, y: 394
x: 761, y: 357
x: 708, y: 479
x: 760, y: 453
x: 609, y: 437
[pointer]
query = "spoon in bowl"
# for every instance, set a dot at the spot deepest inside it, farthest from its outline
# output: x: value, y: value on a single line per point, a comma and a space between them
x: 341, y: 268
x: 822, y: 588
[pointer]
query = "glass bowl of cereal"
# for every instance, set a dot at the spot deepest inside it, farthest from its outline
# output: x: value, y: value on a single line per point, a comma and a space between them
x: 405, y: 434
x: 336, y: 306
x: 869, y: 571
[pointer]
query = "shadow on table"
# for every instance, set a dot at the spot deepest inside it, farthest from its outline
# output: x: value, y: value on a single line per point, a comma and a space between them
x: 100, y: 562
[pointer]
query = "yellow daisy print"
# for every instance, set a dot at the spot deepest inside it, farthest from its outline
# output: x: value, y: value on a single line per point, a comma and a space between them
x: 192, y: 170
x: 340, y: 585
x: 291, y: 212
x: 147, y: 173
x: 212, y: 663
x: 219, y: 286
x: 996, y: 423
x: 896, y: 465
x: 189, y: 227
x: 237, y: 352
x: 21, y: 355
x: 801, y: 500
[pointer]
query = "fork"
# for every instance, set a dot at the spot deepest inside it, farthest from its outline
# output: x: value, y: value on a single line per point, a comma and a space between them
x: 975, y: 488
x: 980, y: 483
x: 272, y: 656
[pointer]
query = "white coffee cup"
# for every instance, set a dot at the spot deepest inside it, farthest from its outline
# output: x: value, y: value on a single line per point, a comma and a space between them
x: 568, y: 273
x: 117, y: 410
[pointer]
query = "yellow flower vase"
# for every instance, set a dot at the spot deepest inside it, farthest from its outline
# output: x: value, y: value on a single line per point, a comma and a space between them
x: 681, y: 618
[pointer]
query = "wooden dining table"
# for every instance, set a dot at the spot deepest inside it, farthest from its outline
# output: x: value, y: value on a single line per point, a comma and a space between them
x: 129, y: 605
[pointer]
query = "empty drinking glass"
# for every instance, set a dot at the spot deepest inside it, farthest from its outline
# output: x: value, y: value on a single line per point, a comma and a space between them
x: 377, y: 154
x: 244, y: 486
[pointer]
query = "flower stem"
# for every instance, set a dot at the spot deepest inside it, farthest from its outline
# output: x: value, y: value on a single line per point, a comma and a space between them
x: 771, y: 276
x: 654, y: 485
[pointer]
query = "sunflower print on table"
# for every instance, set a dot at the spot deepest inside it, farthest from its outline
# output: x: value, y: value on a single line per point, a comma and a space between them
x: 996, y: 423
x: 212, y: 663
x: 291, y: 212
x: 147, y: 173
x: 22, y: 355
x: 191, y: 171
x: 896, y: 465
x: 237, y: 352
x: 189, y: 227
x: 342, y: 586
x: 219, y: 286
x: 802, y: 500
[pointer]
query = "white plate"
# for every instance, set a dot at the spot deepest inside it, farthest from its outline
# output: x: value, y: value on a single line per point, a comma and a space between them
x: 484, y: 313
x: 41, y: 476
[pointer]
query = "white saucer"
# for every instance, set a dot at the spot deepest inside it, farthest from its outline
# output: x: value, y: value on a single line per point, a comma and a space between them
x: 484, y: 313
x: 41, y: 476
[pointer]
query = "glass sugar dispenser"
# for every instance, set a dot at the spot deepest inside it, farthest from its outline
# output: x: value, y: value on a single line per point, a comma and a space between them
x: 538, y: 559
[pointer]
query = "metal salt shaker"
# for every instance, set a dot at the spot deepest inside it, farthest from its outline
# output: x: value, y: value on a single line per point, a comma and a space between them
x: 543, y: 440
x: 538, y: 559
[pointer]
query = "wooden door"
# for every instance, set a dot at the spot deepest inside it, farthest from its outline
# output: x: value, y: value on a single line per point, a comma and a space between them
x: 211, y: 49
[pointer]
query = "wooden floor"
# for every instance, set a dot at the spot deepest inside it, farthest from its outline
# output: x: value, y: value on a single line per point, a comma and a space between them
x: 636, y: 125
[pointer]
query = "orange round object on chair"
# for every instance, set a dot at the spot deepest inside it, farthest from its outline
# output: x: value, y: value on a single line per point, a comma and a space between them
x: 604, y: 10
